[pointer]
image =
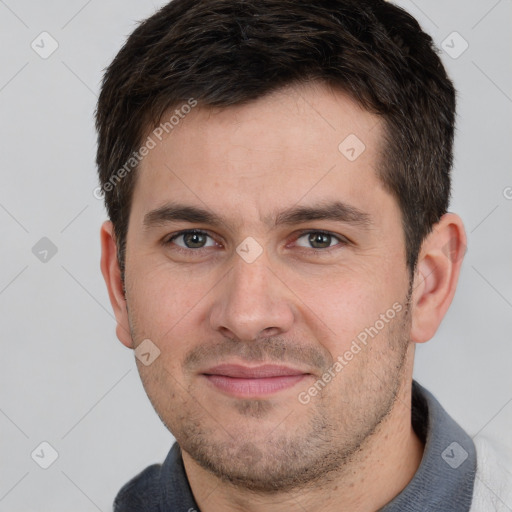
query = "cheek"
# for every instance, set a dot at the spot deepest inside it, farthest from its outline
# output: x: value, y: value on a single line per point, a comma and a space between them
x: 162, y: 300
x: 345, y: 304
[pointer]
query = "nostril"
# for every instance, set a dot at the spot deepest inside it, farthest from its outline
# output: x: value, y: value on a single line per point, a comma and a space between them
x: 269, y: 331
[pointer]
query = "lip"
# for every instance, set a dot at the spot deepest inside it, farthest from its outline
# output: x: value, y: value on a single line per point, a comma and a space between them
x: 257, y: 381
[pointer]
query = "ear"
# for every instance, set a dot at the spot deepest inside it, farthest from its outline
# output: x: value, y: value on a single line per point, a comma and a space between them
x: 112, y: 275
x: 436, y: 276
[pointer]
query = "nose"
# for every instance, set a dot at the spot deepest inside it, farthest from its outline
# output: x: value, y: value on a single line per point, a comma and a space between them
x: 252, y: 302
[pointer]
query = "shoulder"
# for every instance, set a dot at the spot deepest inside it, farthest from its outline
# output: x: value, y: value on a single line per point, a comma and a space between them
x: 141, y: 493
x: 493, y: 481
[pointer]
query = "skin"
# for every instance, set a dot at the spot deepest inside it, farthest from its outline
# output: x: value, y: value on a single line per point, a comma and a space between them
x: 299, y: 303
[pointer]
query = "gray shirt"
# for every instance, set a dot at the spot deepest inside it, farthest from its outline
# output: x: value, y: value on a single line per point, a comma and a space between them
x: 443, y: 482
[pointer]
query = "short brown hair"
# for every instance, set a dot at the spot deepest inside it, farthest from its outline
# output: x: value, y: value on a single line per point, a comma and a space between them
x: 228, y: 52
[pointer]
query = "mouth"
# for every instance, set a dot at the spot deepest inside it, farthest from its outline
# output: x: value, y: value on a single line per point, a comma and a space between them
x: 253, y: 382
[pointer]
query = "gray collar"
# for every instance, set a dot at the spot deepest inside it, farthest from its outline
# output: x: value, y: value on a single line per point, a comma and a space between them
x: 444, y: 481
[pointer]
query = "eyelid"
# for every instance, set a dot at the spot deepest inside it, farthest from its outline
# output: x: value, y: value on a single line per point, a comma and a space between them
x: 342, y: 240
x: 167, y: 240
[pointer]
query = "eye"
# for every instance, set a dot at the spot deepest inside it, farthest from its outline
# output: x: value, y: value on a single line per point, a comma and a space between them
x: 319, y: 240
x: 191, y: 239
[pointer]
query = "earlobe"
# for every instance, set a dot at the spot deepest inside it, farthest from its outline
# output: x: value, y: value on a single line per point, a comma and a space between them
x: 436, y: 277
x: 112, y: 275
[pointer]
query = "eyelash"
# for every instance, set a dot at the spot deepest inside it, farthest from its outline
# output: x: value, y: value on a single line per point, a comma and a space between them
x: 342, y: 241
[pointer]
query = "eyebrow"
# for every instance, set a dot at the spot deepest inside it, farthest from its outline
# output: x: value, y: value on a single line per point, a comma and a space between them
x: 334, y: 210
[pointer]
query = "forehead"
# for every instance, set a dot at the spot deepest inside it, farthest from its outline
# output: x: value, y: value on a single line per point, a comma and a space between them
x: 297, y: 144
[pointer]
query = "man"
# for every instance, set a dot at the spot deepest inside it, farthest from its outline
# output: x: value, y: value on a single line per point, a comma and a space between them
x: 277, y: 177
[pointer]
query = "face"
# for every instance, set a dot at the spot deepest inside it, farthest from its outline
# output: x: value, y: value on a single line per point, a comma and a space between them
x: 266, y: 262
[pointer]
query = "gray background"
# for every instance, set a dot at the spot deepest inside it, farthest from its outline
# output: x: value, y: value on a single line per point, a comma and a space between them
x: 65, y: 378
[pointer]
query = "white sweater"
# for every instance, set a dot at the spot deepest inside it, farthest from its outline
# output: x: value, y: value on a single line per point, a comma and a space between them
x: 493, y: 482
